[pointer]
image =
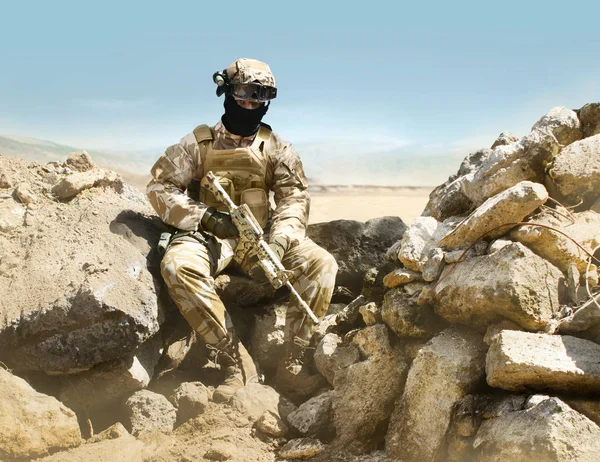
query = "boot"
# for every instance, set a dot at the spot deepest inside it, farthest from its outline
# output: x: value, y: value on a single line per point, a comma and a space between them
x: 295, y: 378
x: 239, y: 370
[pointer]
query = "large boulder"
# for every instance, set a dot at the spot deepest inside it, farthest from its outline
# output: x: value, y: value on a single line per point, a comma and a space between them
x: 511, y: 283
x: 520, y: 361
x: 575, y: 172
x: 33, y: 424
x: 84, y: 292
x: 448, y: 368
x: 363, y: 400
x: 357, y: 246
x: 508, y: 207
x: 333, y: 354
x: 548, y: 431
x: 149, y: 411
x: 419, y: 240
x: 590, y: 119
x: 526, y: 159
x: 555, y: 246
x: 561, y: 122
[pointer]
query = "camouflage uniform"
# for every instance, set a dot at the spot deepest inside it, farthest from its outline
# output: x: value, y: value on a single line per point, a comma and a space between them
x: 195, y: 258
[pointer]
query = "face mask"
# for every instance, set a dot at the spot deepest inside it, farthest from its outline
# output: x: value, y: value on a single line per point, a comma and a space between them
x: 241, y: 121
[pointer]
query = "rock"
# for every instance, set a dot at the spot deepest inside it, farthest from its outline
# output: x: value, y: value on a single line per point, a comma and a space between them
x: 496, y: 329
x: 372, y: 341
x: 73, y: 184
x: 575, y: 173
x: 80, y: 161
x: 332, y: 355
x: 401, y: 276
x: 111, y: 433
x: 563, y: 123
x: 508, y: 207
x: 255, y: 399
x: 110, y: 382
x: 549, y: 431
x: 448, y: 200
x: 366, y: 392
x: 72, y: 304
x: 326, y: 324
x: 24, y: 194
x: 444, y: 371
x: 270, y: 424
x: 33, y: 424
x: 512, y: 283
x: 403, y: 315
x: 504, y: 139
x: 357, y: 246
x: 149, y: 411
x: 313, y: 416
x: 555, y: 246
x: 301, y: 448
x: 242, y: 291
x: 419, y: 239
x: 508, y: 165
x: 266, y: 341
x: 520, y: 361
x: 190, y: 399
x: 5, y: 181
x: 434, y: 265
x: 371, y: 313
x: 497, y: 245
x: 589, y: 407
x: 590, y: 119
x: 584, y: 322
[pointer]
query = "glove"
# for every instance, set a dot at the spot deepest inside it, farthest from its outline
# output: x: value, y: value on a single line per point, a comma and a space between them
x: 218, y: 223
x: 256, y: 272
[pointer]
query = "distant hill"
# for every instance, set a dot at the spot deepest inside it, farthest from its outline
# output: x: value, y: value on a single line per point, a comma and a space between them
x: 134, y: 167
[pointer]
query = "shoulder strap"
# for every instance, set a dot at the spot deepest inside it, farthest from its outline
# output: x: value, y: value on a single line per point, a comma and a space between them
x: 263, y: 135
x: 204, y: 138
x: 203, y: 133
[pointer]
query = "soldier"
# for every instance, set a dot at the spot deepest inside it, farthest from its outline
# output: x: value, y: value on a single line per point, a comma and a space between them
x: 249, y: 160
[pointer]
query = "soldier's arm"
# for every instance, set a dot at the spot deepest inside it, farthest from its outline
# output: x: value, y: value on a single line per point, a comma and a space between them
x: 171, y: 175
x: 292, y: 201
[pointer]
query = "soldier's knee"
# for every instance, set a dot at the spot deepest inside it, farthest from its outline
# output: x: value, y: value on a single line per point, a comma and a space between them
x: 181, y: 271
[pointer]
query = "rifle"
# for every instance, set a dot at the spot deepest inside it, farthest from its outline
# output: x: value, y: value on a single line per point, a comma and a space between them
x: 251, y: 238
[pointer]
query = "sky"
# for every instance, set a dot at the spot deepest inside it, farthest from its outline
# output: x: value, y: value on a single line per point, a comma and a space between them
x: 376, y: 93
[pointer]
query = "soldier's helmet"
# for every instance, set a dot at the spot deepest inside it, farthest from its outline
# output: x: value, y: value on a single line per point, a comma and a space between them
x: 247, y: 79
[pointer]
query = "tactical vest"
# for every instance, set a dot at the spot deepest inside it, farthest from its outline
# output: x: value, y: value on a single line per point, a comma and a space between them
x: 241, y: 171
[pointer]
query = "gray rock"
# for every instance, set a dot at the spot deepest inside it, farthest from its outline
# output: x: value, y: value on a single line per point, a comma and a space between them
x: 111, y: 381
x: 563, y: 123
x: 448, y: 200
x: 588, y: 406
x: 550, y: 431
x: 590, y: 119
x: 507, y: 207
x: 520, y: 361
x: 33, y: 424
x: 371, y: 313
x: 434, y: 265
x: 444, y: 371
x: 190, y: 399
x: 266, y: 341
x: 313, y: 416
x: 504, y: 139
x: 512, y: 283
x: 419, y: 239
x: 508, y: 165
x: 498, y: 244
x: 149, y: 411
x: 332, y: 355
x: 496, y: 329
x: 575, y: 173
x: 403, y: 315
x: 255, y: 399
x: 357, y: 246
x: 557, y: 248
x: 363, y: 400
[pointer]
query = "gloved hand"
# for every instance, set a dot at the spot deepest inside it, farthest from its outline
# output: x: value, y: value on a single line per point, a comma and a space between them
x: 218, y: 223
x: 256, y: 272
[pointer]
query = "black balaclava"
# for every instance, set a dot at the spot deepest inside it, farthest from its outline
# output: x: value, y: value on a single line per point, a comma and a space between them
x: 241, y: 121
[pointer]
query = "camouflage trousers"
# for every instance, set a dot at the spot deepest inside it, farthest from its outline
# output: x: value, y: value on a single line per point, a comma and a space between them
x: 189, y: 266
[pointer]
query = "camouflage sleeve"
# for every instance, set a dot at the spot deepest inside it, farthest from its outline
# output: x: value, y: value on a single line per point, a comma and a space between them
x: 171, y: 175
x: 292, y: 201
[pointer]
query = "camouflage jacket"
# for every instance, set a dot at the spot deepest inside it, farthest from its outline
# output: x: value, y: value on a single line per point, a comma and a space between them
x: 180, y: 164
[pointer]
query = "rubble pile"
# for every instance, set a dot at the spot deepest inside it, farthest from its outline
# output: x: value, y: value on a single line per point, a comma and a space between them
x: 473, y: 334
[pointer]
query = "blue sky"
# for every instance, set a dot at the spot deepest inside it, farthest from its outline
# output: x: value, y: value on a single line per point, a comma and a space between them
x: 379, y: 92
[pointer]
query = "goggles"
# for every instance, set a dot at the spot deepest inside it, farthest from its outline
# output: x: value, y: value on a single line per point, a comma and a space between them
x: 253, y: 92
